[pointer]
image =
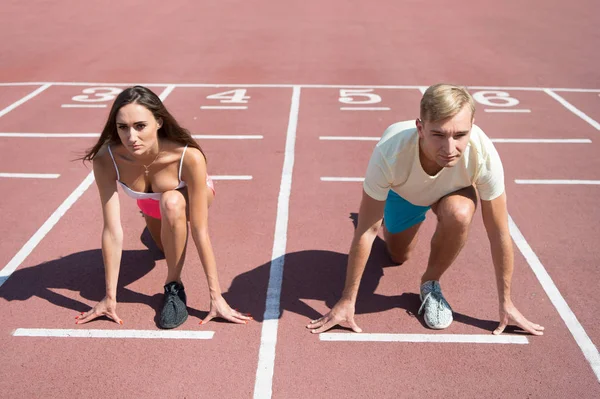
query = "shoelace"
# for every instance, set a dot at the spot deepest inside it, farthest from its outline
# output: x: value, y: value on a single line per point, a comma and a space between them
x: 437, y: 295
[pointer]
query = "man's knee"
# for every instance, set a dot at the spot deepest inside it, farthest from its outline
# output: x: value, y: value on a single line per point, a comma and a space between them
x: 399, y: 257
x: 457, y: 215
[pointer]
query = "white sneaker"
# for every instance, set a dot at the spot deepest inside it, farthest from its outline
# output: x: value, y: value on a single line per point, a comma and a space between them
x: 438, y: 313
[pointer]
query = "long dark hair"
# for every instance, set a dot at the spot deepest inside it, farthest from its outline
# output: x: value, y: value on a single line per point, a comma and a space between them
x: 170, y: 129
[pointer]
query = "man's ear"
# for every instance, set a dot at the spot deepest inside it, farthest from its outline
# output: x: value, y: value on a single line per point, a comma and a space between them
x: 419, y: 124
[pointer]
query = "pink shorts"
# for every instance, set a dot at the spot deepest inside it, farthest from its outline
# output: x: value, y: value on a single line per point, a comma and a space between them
x: 151, y: 207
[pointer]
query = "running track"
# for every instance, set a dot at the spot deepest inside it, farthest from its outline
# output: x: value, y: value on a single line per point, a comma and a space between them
x: 279, y: 199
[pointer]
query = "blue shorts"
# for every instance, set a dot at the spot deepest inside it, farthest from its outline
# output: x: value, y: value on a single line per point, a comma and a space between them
x: 399, y: 214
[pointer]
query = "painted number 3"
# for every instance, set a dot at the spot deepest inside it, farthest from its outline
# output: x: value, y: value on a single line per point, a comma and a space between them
x: 97, y: 94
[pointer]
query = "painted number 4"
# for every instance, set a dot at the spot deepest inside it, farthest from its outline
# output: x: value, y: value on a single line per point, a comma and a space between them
x: 237, y: 96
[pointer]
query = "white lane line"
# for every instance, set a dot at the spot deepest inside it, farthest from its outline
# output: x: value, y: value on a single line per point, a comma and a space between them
x: 143, y: 334
x: 223, y: 107
x: 423, y: 89
x: 524, y: 141
x: 439, y: 338
x: 232, y: 177
x: 349, y: 138
x: 83, y: 106
x: 291, y: 85
x: 263, y: 386
x: 228, y: 136
x: 24, y: 99
x: 543, y: 141
x: 507, y: 110
x: 590, y: 351
x: 365, y: 108
x: 85, y: 135
x: 166, y: 92
x: 343, y: 179
x: 557, y: 182
x: 30, y: 175
x: 573, y: 109
x: 39, y: 235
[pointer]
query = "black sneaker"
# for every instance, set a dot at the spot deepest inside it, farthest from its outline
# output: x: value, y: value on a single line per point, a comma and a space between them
x: 174, y: 311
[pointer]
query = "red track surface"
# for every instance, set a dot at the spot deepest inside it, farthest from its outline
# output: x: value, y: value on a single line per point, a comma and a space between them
x: 516, y: 44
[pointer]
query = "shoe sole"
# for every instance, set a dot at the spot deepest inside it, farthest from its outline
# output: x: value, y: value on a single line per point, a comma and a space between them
x: 170, y: 326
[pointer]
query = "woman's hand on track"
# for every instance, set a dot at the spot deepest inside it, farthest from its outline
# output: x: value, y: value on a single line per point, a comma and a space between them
x: 220, y: 308
x: 106, y: 307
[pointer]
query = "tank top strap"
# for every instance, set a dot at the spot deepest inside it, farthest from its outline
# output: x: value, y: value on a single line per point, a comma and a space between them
x: 114, y: 163
x: 181, y: 161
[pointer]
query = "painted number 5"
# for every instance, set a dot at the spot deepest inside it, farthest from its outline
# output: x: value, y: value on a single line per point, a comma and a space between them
x: 359, y: 96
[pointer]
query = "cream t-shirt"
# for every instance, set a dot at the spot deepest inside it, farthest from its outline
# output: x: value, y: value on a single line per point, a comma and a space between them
x: 395, y: 165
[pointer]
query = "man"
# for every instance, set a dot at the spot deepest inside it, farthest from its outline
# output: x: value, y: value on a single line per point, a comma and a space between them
x: 443, y: 162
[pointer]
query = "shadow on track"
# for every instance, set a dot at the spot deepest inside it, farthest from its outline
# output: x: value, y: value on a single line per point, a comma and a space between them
x: 84, y: 272
x: 319, y: 275
x: 308, y: 275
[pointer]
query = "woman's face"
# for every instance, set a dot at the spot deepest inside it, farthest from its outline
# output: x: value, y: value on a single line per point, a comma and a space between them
x: 137, y: 128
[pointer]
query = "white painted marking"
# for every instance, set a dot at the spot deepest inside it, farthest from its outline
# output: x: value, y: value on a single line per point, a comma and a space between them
x: 224, y: 107
x: 86, y: 135
x: 263, y: 387
x: 343, y: 179
x: 166, y: 92
x: 349, y: 138
x: 24, y: 99
x: 590, y: 351
x: 426, y: 338
x: 543, y: 141
x: 83, y: 106
x: 143, y: 334
x: 423, y: 89
x: 228, y: 137
x: 290, y: 85
x: 550, y: 181
x: 364, y: 108
x: 44, y: 229
x: 507, y: 110
x: 225, y: 177
x: 521, y: 141
x: 573, y: 109
x: 30, y: 175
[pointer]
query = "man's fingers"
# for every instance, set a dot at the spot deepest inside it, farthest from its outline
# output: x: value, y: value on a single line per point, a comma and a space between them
x: 531, y: 328
x: 314, y: 324
x: 325, y: 326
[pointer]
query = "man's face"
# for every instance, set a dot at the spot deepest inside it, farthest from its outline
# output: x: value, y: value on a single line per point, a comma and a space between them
x: 442, y: 143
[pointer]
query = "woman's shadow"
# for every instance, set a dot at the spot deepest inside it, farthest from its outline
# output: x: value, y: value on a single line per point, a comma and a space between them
x: 83, y: 272
x: 319, y: 275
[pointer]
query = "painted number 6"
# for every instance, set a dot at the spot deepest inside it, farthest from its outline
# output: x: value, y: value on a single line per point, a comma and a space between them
x: 495, y: 99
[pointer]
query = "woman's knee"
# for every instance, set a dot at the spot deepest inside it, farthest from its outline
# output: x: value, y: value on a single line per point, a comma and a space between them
x: 172, y: 205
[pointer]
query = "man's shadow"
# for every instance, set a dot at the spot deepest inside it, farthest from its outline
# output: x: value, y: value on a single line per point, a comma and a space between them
x: 320, y: 275
x: 83, y: 272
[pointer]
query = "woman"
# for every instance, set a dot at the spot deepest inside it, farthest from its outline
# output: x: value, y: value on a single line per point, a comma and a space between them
x: 143, y: 149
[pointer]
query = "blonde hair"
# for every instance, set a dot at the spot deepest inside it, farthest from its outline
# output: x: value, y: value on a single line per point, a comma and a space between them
x: 443, y: 101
